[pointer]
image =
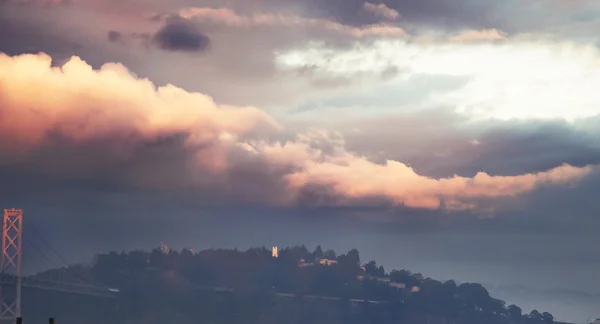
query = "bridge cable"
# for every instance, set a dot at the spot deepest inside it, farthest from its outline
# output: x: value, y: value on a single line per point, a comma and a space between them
x: 49, y: 246
x: 57, y: 266
x: 41, y: 253
x: 69, y: 268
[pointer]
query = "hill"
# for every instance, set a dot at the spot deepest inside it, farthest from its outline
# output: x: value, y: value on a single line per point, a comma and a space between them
x: 298, y: 286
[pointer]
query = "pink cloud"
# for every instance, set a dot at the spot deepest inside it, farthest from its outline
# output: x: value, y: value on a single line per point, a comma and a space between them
x: 352, y: 176
x: 229, y: 18
x: 479, y: 35
x: 86, y: 106
x: 381, y: 10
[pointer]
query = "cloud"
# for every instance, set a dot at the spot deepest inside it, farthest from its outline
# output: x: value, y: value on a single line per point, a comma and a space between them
x: 111, y: 106
x: 180, y: 35
x: 242, y: 69
x: 18, y: 35
x: 354, y: 177
x: 229, y: 18
x: 479, y: 35
x: 381, y: 10
x: 456, y: 15
x: 42, y: 3
x: 516, y: 79
x: 114, y: 36
x: 445, y: 145
x: 167, y: 138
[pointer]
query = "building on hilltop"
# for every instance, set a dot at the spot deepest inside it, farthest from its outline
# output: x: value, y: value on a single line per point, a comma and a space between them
x: 399, y: 285
x: 302, y: 263
x: 327, y: 262
x: 164, y: 248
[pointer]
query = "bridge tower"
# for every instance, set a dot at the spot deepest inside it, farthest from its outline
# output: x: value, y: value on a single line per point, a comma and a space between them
x: 10, y: 265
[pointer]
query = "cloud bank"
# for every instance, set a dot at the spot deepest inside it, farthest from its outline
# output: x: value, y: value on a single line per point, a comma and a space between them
x: 229, y: 18
x: 180, y: 35
x: 518, y: 78
x: 64, y: 111
x: 381, y: 10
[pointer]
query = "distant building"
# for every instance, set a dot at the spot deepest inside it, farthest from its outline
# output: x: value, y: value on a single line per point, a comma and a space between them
x: 164, y: 248
x: 415, y: 289
x: 274, y: 252
x: 302, y: 263
x: 399, y: 285
x: 327, y: 262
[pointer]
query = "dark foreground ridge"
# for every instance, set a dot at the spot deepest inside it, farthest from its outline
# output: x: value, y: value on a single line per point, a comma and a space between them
x: 254, y: 286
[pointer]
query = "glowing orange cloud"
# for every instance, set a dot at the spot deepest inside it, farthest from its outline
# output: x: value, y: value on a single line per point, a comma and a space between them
x: 352, y: 176
x: 479, y: 35
x: 85, y: 105
x: 381, y: 10
x: 229, y: 18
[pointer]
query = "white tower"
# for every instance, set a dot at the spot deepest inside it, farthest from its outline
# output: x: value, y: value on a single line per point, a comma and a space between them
x: 274, y: 252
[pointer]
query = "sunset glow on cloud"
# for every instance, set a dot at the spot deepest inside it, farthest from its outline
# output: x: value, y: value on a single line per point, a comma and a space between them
x: 425, y: 130
x: 74, y: 105
x: 309, y: 108
x: 229, y: 18
x: 515, y: 79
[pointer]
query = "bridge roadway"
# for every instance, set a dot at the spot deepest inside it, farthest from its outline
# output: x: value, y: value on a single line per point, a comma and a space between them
x: 358, y: 301
x: 77, y: 287
x: 91, y: 290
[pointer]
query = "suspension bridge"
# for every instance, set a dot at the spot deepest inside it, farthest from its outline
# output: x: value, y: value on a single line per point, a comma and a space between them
x: 66, y: 279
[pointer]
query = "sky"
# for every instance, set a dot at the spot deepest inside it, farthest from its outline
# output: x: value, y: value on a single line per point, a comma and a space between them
x: 456, y: 138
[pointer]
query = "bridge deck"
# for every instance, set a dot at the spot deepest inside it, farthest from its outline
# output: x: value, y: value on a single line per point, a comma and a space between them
x: 70, y: 287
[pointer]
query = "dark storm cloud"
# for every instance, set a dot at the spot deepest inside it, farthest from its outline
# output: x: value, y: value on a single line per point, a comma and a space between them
x: 453, y: 13
x: 450, y: 144
x: 511, y: 15
x: 517, y: 148
x: 41, y: 3
x: 530, y: 146
x: 180, y: 35
x: 21, y: 36
x: 457, y: 13
x: 114, y: 36
x: 69, y: 170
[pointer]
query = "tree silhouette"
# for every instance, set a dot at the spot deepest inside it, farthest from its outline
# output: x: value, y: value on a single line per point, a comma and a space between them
x: 231, y: 286
x: 330, y: 254
x: 514, y: 312
x: 318, y: 253
x: 547, y: 317
x: 536, y: 316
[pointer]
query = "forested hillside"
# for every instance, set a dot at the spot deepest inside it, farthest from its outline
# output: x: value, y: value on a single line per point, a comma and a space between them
x: 299, y: 286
